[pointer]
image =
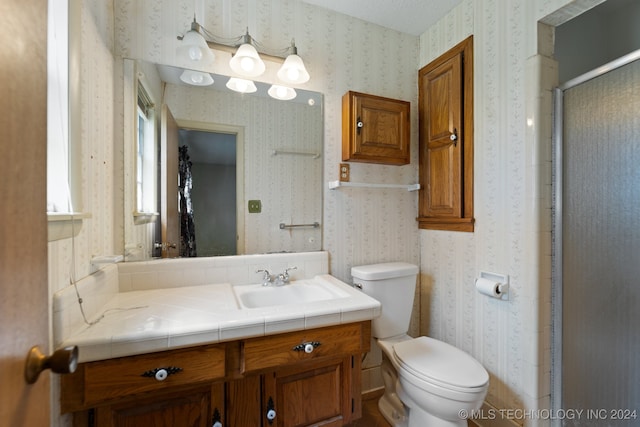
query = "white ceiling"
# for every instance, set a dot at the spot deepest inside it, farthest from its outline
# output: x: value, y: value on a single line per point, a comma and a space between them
x: 407, y: 16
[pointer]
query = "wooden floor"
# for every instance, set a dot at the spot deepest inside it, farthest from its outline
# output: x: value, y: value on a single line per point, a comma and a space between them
x: 371, y: 416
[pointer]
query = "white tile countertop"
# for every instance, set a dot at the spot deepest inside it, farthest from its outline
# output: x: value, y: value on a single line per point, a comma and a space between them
x: 145, y: 321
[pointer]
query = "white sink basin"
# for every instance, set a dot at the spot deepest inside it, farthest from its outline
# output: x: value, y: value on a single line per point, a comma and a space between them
x: 295, y: 292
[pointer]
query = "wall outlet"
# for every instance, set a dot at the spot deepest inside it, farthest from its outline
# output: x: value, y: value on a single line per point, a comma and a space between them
x: 255, y: 206
x: 344, y: 172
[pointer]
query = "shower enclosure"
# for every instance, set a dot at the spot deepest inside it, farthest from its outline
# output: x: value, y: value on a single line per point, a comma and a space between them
x: 596, y: 295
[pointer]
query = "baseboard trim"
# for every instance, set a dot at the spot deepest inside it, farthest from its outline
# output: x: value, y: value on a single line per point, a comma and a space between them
x: 373, y: 393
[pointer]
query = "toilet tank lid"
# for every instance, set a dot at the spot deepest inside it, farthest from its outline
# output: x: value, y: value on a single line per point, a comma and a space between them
x: 385, y: 270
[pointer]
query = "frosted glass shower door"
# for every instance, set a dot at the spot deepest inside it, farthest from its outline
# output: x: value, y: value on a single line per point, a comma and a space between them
x: 601, y: 248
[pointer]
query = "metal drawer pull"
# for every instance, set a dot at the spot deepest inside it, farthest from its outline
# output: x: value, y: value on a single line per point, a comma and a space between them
x: 161, y: 374
x: 307, y: 347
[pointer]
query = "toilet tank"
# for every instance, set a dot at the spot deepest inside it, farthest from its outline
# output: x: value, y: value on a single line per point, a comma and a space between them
x: 393, y: 284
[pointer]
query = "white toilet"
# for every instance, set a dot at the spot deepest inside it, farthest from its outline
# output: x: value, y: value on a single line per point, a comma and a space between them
x: 428, y: 383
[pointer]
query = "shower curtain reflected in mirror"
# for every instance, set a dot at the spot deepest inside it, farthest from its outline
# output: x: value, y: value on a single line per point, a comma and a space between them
x: 187, y: 224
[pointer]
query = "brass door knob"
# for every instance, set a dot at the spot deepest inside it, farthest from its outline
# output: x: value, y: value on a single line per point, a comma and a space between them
x: 62, y: 361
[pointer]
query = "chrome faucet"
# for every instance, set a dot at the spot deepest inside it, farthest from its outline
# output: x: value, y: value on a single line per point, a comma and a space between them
x: 267, y: 279
x: 283, y: 278
x: 277, y: 280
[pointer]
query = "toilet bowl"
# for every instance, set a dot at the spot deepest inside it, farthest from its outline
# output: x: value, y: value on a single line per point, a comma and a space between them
x: 427, y: 382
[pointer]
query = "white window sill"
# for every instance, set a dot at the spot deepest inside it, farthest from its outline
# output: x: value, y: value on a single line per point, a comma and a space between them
x: 65, y: 225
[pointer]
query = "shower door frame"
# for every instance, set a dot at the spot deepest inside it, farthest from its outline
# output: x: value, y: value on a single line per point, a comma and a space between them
x: 557, y: 185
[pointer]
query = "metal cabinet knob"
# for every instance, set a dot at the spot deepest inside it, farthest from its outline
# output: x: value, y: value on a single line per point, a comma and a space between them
x: 454, y: 137
x: 359, y: 125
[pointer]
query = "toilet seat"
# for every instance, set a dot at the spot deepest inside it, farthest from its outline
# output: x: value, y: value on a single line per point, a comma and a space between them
x: 440, y: 364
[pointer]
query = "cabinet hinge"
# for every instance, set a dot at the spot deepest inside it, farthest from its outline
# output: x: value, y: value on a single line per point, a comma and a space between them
x: 353, y: 405
x: 352, y: 362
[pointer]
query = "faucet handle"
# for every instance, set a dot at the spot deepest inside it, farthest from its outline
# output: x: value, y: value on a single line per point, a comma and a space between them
x: 266, y: 276
x: 286, y: 272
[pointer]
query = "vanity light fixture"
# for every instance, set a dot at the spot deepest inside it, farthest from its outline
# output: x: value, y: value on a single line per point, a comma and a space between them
x: 246, y: 60
x: 293, y: 70
x: 194, y: 48
x: 241, y: 85
x: 196, y: 78
x: 283, y: 93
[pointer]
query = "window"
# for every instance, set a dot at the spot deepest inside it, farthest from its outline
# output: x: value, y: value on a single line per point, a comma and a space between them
x: 64, y: 202
x: 146, y: 163
x: 58, y: 191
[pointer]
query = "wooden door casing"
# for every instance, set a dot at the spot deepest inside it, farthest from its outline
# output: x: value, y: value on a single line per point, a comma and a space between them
x: 169, y: 218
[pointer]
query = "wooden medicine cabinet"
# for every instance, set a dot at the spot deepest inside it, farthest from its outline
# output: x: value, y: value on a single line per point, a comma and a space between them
x: 375, y: 129
x: 446, y: 140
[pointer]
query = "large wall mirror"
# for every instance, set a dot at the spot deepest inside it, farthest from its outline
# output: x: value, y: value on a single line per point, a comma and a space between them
x: 254, y: 183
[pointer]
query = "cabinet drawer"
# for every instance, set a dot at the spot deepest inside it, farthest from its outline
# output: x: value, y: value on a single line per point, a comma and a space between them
x: 114, y: 378
x: 274, y: 351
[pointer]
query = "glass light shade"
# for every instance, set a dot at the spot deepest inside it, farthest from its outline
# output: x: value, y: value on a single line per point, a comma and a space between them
x: 282, y: 92
x: 241, y: 85
x: 196, y: 78
x: 293, y: 70
x: 246, y: 62
x: 193, y: 49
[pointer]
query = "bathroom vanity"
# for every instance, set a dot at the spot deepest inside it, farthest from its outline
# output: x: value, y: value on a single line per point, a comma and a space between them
x: 264, y: 381
x: 227, y: 353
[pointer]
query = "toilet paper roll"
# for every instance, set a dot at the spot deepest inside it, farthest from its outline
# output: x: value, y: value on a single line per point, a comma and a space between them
x: 489, y: 287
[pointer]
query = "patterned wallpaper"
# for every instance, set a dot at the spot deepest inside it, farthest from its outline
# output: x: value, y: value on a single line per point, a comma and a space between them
x: 513, y: 74
x: 101, y: 154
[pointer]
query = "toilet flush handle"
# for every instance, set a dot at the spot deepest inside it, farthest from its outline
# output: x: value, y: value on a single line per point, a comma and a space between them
x: 357, y: 286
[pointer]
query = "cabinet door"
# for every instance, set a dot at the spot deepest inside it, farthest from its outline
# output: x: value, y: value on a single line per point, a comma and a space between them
x: 446, y: 141
x: 189, y: 408
x: 441, y: 88
x: 317, y: 393
x: 375, y: 129
x: 244, y: 400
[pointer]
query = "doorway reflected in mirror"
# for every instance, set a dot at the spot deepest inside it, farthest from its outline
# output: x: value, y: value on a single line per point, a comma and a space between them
x: 209, y: 197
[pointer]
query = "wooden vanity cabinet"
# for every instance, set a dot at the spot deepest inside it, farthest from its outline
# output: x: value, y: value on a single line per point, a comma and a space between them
x: 193, y: 407
x: 319, y: 387
x: 236, y: 383
x: 323, y: 393
x: 182, y: 387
